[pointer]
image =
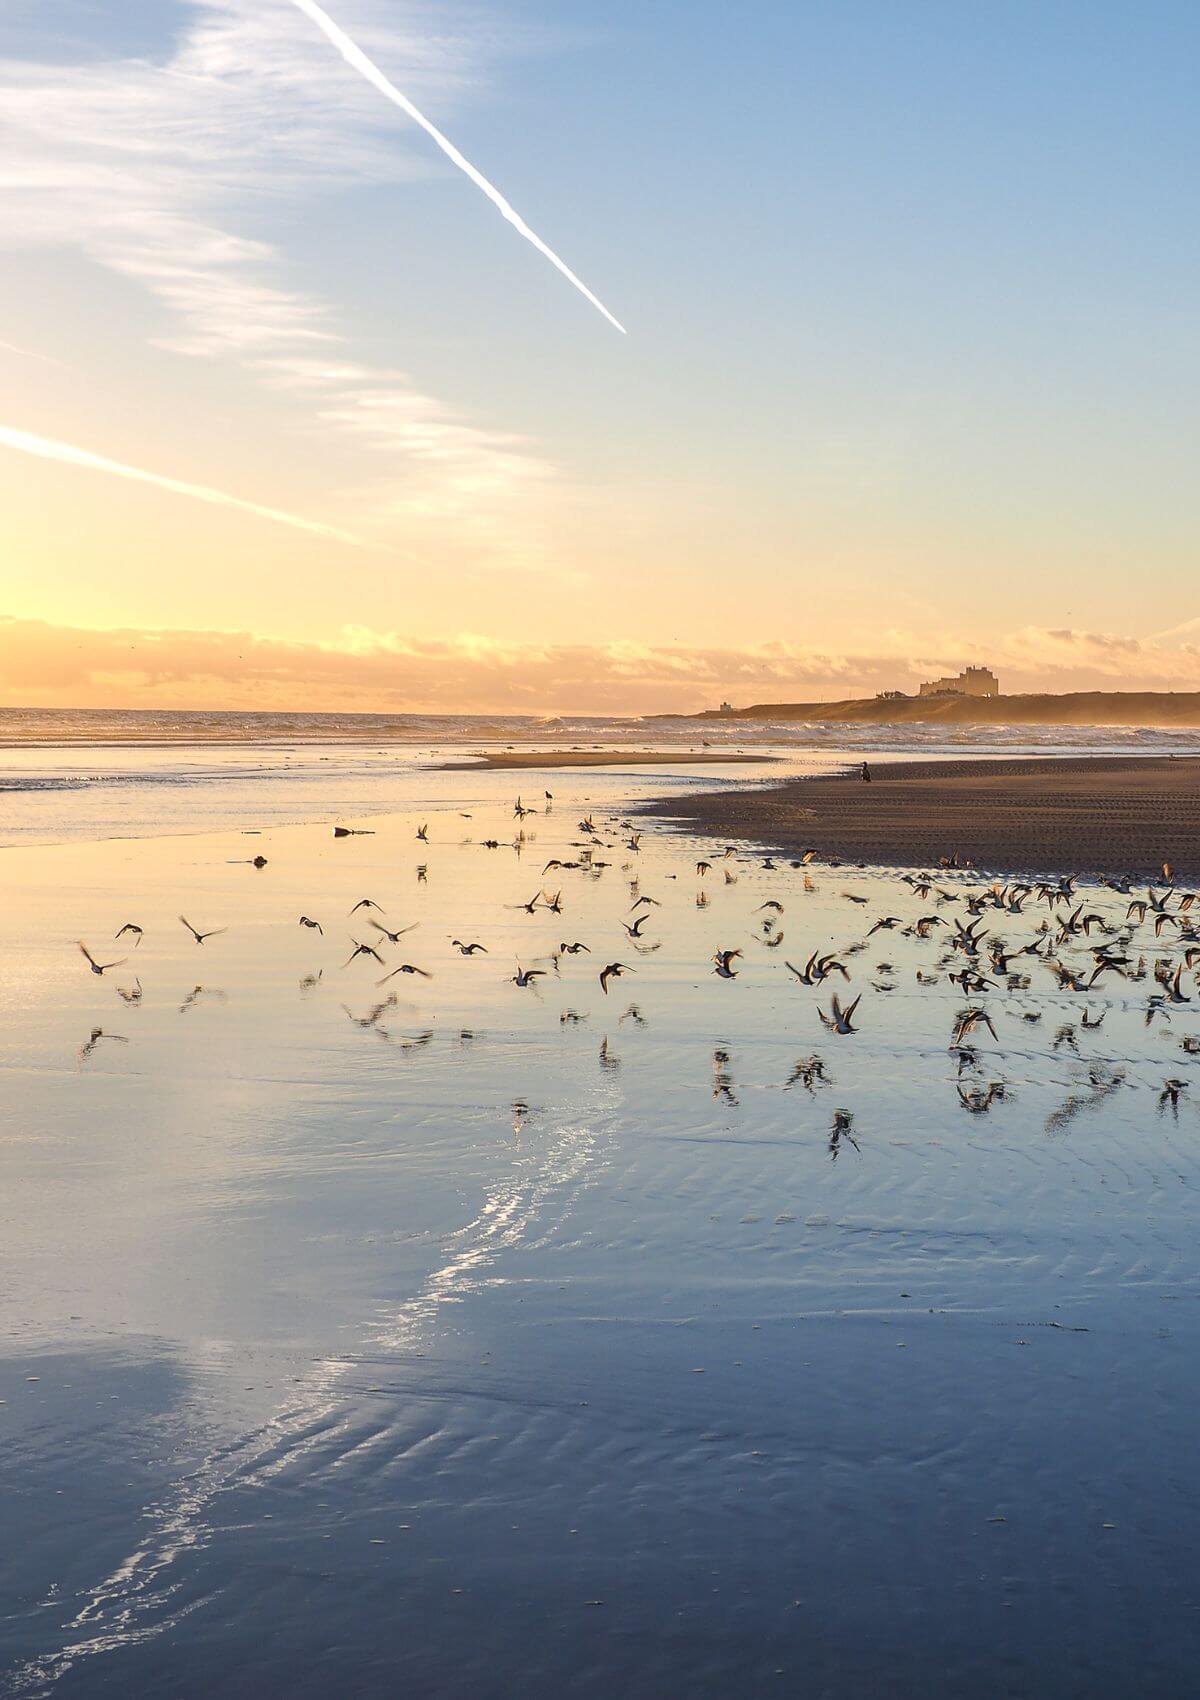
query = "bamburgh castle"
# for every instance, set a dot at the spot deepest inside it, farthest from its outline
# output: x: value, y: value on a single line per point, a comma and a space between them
x: 971, y: 682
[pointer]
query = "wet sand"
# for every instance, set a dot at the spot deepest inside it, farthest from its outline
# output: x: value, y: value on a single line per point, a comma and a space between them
x: 1093, y: 815
x: 446, y: 1337
x: 535, y: 759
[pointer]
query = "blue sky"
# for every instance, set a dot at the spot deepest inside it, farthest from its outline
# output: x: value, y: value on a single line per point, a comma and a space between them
x: 909, y: 289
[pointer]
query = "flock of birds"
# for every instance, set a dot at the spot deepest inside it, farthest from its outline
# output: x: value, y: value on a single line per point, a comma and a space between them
x: 988, y: 939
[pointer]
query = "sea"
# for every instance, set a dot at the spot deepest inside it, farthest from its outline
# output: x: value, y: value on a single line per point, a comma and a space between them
x: 376, y: 1324
x: 69, y: 773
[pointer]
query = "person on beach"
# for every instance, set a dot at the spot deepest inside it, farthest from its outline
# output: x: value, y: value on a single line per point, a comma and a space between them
x: 866, y: 773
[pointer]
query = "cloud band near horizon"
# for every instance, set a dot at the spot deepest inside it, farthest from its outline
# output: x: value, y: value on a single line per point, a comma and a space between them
x: 43, y: 664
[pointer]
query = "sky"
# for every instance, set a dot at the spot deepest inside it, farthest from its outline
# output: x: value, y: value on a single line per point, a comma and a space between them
x: 291, y: 416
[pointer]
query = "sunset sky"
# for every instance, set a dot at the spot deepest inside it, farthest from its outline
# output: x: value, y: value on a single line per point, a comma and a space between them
x: 910, y: 376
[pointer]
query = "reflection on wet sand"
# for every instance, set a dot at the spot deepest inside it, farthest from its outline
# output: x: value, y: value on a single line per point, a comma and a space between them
x: 438, y: 1263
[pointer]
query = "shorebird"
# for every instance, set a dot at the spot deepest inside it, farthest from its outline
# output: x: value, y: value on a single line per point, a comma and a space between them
x: 574, y: 949
x: 526, y: 976
x: 818, y: 968
x: 840, y: 1020
x: 99, y: 967
x: 723, y: 963
x: 423, y: 834
x: 404, y: 968
x: 1175, y: 991
x: 130, y: 927
x: 362, y: 950
x: 200, y: 937
x: 635, y: 929
x: 968, y: 939
x: 967, y: 1021
x: 307, y: 921
x: 394, y: 938
x: 469, y: 949
x: 366, y: 903
x: 613, y: 971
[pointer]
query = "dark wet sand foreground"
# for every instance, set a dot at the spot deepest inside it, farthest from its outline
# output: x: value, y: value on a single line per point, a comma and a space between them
x: 535, y: 759
x: 1088, y: 815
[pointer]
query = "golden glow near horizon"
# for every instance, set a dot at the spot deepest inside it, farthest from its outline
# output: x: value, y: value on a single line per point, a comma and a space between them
x: 851, y: 444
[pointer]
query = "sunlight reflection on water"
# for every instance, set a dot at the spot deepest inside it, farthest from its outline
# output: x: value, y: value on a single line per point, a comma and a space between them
x: 444, y: 1334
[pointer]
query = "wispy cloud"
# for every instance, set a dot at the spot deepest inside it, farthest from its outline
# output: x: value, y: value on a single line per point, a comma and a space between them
x: 160, y: 171
x: 45, y: 448
x: 389, y: 671
x: 355, y: 57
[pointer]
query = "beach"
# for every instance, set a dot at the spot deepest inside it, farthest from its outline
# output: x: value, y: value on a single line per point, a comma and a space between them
x: 1099, y: 815
x: 368, y: 1328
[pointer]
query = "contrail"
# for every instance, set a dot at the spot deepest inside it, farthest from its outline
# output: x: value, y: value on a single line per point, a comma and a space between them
x: 354, y: 55
x: 47, y: 449
x: 28, y: 353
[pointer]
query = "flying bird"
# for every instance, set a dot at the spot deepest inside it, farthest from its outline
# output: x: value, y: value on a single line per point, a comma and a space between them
x: 362, y: 950
x: 840, y: 1020
x: 394, y: 938
x: 200, y: 937
x: 404, y: 968
x: 614, y: 971
x: 99, y: 967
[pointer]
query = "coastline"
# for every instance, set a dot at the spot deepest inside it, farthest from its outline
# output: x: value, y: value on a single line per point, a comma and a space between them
x: 1102, y: 815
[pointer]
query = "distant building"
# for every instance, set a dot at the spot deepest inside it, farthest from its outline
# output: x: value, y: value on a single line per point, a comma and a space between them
x: 971, y: 682
x: 725, y: 708
x: 891, y: 696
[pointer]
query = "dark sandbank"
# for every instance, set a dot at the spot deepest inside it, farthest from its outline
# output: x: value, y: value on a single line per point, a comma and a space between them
x: 1088, y: 815
x: 535, y: 759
